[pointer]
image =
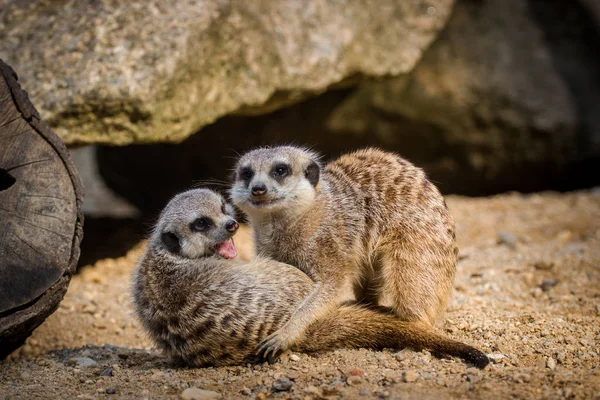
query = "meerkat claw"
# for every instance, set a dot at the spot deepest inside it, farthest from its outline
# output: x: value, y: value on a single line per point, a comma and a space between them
x: 270, y: 349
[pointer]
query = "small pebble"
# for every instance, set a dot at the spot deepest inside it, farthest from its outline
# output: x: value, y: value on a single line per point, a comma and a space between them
x: 543, y: 265
x: 410, y: 376
x: 496, y: 356
x: 107, y: 372
x: 548, y: 283
x: 293, y: 375
x: 427, y: 375
x: 246, y: 391
x: 354, y: 380
x: 111, y: 390
x: 82, y: 362
x: 330, y: 391
x: 551, y: 363
x: 194, y: 393
x: 522, y: 377
x: 507, y: 239
x: 294, y: 357
x: 282, y: 385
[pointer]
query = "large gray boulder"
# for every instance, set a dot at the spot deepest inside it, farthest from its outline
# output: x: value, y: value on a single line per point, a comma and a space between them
x: 508, y: 97
x: 120, y: 72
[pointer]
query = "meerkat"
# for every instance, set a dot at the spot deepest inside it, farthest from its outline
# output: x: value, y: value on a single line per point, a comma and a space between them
x: 205, y: 307
x: 369, y: 222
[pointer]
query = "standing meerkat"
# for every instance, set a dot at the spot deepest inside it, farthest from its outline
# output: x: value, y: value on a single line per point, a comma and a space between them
x: 369, y: 221
x: 204, y: 307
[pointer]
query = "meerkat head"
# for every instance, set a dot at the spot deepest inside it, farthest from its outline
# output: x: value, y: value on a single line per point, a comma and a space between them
x: 278, y: 178
x: 196, y: 223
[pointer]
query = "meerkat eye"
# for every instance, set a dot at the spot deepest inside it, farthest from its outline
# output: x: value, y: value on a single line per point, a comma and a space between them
x: 246, y: 173
x: 281, y: 170
x: 201, y: 224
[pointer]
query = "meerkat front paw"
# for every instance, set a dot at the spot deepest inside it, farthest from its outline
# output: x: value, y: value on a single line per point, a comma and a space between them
x: 273, y: 346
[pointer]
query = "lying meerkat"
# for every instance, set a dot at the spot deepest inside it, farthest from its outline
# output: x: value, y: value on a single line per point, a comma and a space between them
x: 204, y: 307
x: 369, y: 221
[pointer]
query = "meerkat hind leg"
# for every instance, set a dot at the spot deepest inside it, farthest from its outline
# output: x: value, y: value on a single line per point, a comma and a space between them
x: 410, y: 281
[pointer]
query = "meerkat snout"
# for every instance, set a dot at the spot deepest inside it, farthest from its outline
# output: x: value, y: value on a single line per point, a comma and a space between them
x: 232, y: 226
x: 259, y: 189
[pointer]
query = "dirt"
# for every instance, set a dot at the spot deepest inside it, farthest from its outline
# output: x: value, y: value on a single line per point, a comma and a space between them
x: 527, y: 293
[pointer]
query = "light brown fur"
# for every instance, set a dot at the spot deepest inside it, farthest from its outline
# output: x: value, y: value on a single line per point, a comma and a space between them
x: 202, y: 309
x: 370, y: 221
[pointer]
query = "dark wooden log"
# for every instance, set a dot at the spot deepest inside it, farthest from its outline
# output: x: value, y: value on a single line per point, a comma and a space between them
x: 40, y: 216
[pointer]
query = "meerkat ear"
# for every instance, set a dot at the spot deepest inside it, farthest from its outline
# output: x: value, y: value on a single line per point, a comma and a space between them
x: 312, y: 173
x: 171, y: 242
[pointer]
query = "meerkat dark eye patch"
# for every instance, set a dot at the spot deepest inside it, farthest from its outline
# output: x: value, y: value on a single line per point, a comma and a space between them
x: 312, y: 173
x: 201, y: 224
x: 280, y: 171
x: 246, y: 174
x: 171, y: 242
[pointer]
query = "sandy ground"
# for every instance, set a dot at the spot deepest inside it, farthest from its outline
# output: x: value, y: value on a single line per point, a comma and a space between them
x: 527, y: 293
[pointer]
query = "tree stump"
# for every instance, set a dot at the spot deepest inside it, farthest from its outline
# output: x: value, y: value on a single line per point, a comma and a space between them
x: 40, y: 216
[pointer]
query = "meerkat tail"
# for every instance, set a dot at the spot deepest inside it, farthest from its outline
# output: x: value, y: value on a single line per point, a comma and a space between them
x: 355, y: 326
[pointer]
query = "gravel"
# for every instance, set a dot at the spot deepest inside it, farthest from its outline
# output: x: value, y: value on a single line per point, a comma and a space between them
x: 543, y: 346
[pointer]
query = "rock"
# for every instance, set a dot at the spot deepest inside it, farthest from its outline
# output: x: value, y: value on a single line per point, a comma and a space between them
x: 573, y: 248
x: 294, y: 375
x: 194, y: 393
x: 543, y: 265
x: 354, y: 380
x: 294, y: 357
x: 82, y: 362
x: 40, y: 217
x: 410, y: 376
x: 282, y: 385
x: 496, y: 357
x: 428, y: 375
x: 507, y: 238
x: 107, y: 372
x: 147, y: 71
x: 551, y: 363
x: 522, y: 377
x: 548, y: 283
x: 246, y: 391
x: 506, y: 89
x: 537, y: 292
x: 112, y: 390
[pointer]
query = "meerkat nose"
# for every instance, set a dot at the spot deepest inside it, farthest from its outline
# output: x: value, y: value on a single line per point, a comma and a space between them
x: 259, y: 189
x: 232, y: 226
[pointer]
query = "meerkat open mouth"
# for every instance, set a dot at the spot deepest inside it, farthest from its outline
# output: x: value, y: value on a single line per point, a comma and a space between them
x: 226, y: 249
